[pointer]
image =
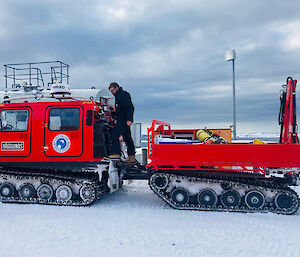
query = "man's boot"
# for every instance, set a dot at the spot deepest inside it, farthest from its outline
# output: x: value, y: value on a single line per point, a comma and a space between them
x: 113, y: 157
x: 131, y: 160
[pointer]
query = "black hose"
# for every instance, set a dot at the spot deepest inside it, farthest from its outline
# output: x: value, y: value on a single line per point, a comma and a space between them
x: 281, y: 111
x: 282, y: 104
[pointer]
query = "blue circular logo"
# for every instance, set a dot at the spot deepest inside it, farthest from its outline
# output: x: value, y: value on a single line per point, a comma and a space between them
x: 61, y: 143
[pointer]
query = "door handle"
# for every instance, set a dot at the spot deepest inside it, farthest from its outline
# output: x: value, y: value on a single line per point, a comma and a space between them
x: 45, y: 148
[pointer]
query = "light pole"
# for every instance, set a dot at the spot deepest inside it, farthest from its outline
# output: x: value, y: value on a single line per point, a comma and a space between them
x: 230, y: 55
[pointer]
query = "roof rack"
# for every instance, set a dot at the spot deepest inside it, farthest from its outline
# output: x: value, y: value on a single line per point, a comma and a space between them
x: 33, y: 75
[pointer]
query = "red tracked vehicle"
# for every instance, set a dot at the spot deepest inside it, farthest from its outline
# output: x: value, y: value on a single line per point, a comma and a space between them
x: 239, y: 177
x: 52, y: 141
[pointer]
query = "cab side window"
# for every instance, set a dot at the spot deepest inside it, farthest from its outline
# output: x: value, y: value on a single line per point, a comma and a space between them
x: 14, y: 120
x: 64, y: 119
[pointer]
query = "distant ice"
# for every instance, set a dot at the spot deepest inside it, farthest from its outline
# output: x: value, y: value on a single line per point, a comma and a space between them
x: 259, y: 135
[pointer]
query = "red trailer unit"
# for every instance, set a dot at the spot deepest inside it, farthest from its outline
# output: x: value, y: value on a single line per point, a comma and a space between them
x: 246, y: 177
x: 263, y: 158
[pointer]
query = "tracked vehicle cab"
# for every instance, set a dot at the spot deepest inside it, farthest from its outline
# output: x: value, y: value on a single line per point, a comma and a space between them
x: 52, y: 137
x: 46, y: 124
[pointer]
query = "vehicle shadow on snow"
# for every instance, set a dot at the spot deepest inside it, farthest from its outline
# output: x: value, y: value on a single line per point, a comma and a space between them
x: 138, y: 194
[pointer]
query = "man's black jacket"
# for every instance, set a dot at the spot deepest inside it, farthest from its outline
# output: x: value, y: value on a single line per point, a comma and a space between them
x: 124, y: 106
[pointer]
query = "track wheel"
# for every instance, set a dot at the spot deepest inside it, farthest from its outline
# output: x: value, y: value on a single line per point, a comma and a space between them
x: 45, y: 192
x: 230, y: 198
x: 26, y: 191
x: 87, y: 193
x: 283, y: 201
x: 207, y: 198
x: 63, y: 193
x: 7, y: 190
x: 180, y: 196
x: 161, y: 181
x: 255, y: 199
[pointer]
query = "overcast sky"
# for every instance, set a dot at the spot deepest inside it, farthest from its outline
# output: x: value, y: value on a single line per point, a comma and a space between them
x: 168, y: 54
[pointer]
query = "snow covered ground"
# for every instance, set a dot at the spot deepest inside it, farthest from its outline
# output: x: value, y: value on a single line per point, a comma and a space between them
x: 134, y: 222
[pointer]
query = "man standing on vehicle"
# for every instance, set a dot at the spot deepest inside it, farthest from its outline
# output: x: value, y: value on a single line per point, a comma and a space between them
x: 124, y: 118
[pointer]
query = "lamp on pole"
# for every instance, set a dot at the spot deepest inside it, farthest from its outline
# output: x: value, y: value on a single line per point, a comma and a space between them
x: 230, y: 55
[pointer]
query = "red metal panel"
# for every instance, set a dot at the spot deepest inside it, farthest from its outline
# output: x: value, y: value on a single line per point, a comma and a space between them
x: 220, y: 156
x: 266, y: 155
x: 72, y: 140
x: 289, y: 133
x: 38, y: 110
x: 20, y: 141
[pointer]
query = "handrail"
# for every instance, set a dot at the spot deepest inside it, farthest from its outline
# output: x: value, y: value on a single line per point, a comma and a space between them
x: 34, y: 72
x: 77, y: 98
x: 150, y: 133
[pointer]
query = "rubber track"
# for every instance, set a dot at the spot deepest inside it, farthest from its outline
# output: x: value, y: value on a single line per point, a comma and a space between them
x: 257, y: 184
x: 99, y: 189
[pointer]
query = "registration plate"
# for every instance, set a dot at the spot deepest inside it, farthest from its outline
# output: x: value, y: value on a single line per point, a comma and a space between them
x: 12, y: 146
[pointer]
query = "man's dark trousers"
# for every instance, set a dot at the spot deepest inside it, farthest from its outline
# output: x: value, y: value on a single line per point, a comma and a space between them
x: 119, y: 129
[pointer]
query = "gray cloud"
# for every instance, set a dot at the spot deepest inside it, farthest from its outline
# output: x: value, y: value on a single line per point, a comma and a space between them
x: 168, y: 54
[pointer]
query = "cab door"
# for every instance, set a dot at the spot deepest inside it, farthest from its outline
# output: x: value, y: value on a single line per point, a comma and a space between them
x: 63, y: 131
x: 15, y: 132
